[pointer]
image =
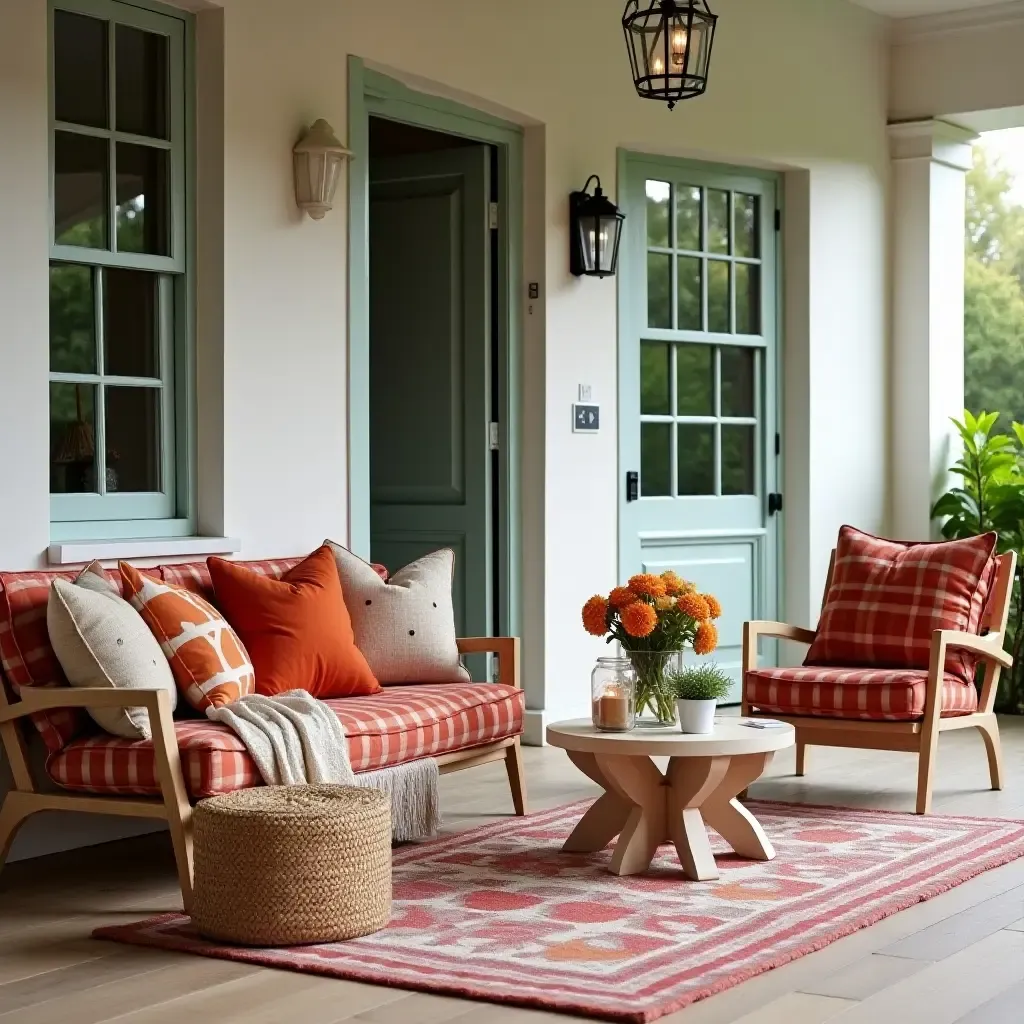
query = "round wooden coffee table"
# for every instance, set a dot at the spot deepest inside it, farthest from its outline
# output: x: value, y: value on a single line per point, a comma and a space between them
x: 645, y: 808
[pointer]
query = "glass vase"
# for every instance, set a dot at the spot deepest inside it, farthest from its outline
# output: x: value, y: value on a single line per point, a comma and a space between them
x: 613, y: 695
x: 655, y: 702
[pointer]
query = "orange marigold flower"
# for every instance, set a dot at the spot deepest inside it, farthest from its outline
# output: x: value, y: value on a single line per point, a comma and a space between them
x: 639, y: 619
x: 648, y: 585
x: 595, y: 616
x: 706, y: 639
x: 674, y: 583
x: 620, y: 597
x: 714, y: 606
x: 695, y: 606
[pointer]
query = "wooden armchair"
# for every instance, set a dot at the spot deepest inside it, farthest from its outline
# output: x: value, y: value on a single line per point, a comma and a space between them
x: 30, y: 796
x: 919, y: 736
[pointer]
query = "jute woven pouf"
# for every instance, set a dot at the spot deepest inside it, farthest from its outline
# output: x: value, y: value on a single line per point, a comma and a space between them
x: 286, y: 865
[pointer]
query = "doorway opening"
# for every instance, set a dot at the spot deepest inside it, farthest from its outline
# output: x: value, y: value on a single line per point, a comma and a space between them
x: 435, y: 368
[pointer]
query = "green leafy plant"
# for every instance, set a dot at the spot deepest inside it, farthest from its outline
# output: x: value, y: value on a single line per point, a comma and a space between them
x: 991, y: 498
x: 699, y: 682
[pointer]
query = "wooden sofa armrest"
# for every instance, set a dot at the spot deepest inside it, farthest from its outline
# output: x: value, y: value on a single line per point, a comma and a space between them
x: 984, y: 646
x: 155, y: 701
x: 505, y: 647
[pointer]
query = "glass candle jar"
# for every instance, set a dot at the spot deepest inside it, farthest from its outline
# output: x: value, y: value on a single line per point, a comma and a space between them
x: 613, y: 695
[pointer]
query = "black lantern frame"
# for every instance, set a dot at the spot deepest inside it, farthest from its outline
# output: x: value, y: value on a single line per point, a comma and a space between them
x: 669, y: 44
x: 595, y: 230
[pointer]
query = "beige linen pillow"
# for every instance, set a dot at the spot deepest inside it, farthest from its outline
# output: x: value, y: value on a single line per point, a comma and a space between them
x: 101, y: 640
x: 405, y: 627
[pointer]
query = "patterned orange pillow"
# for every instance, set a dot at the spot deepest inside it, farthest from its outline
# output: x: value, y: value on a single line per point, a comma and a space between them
x: 209, y: 662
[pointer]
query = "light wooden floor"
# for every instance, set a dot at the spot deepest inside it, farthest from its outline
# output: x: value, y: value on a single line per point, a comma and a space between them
x: 959, y: 957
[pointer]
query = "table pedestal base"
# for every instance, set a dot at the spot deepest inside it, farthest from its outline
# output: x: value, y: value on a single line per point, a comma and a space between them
x: 645, y: 809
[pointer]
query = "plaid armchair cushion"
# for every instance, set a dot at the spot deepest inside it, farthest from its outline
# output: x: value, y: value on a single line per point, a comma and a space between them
x: 401, y: 724
x: 890, y: 695
x: 887, y: 598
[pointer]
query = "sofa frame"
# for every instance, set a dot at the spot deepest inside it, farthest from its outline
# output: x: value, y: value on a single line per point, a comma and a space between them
x: 29, y: 795
x: 919, y: 737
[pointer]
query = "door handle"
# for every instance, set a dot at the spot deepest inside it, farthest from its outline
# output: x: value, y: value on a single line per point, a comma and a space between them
x: 632, y: 485
x: 774, y: 504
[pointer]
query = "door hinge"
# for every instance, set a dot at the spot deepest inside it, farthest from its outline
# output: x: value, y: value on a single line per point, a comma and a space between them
x: 778, y: 220
x: 778, y: 444
x: 493, y: 216
x: 774, y: 504
x: 492, y: 436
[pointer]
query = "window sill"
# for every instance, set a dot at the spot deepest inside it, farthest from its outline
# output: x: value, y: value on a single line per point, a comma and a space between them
x: 78, y: 552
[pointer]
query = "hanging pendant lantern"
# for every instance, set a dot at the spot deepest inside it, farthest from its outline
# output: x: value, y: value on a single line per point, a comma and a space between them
x: 669, y: 45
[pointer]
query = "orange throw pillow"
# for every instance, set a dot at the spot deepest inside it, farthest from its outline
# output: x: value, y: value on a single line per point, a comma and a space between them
x: 210, y: 665
x: 297, y: 629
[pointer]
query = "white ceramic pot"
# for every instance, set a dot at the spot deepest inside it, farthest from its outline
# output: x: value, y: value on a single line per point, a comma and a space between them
x: 697, y: 716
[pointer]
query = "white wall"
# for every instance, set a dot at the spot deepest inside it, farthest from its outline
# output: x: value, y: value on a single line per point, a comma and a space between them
x: 799, y: 85
x: 944, y: 67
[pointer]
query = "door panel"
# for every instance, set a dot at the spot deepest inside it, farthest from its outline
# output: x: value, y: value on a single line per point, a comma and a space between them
x: 429, y: 369
x: 697, y: 372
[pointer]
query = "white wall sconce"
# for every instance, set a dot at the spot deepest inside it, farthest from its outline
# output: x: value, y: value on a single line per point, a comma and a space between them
x: 318, y: 158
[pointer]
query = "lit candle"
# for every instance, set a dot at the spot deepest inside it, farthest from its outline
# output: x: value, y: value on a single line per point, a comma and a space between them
x: 613, y: 709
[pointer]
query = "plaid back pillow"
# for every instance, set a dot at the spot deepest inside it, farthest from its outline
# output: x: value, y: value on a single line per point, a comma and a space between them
x: 887, y: 597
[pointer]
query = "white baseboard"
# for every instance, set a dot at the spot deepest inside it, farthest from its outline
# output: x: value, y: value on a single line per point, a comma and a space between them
x: 533, y: 729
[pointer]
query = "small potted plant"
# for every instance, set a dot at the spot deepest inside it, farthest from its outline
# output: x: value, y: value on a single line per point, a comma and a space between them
x: 697, y: 690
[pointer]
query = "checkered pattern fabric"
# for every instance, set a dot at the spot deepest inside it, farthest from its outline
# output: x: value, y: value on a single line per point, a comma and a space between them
x: 891, y: 695
x: 195, y: 576
x: 401, y: 724
x: 887, y: 598
x: 25, y: 652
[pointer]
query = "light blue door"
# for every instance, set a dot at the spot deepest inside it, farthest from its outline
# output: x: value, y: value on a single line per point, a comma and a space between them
x: 698, y: 390
x: 430, y: 456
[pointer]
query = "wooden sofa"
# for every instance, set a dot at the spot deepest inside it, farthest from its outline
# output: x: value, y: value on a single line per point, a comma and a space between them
x: 189, y: 758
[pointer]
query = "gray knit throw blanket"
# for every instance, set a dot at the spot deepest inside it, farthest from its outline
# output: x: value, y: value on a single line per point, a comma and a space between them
x: 295, y: 740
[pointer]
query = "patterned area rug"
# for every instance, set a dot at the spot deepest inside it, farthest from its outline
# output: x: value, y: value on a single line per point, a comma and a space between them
x: 499, y: 914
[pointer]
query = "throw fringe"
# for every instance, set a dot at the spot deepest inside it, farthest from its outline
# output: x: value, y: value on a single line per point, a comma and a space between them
x: 415, y: 810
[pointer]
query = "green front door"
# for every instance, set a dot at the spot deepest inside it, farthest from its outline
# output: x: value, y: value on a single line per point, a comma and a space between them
x: 429, y: 369
x: 697, y: 386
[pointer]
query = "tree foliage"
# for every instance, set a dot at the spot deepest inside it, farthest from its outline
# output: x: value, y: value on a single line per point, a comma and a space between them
x: 994, y: 291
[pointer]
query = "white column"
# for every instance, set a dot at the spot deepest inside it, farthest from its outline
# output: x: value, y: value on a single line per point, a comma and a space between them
x: 929, y: 164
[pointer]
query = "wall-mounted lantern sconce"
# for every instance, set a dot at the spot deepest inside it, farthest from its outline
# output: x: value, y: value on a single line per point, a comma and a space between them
x: 595, y: 227
x: 318, y: 158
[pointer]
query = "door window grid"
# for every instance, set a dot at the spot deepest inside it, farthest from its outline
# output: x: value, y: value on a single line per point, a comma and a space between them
x: 677, y: 245
x: 134, y: 222
x: 653, y: 453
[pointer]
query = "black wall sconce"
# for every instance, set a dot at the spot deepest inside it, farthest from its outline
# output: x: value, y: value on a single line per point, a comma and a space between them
x: 595, y: 229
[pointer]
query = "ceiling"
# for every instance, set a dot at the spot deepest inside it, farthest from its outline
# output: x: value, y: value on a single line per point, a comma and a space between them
x: 912, y: 8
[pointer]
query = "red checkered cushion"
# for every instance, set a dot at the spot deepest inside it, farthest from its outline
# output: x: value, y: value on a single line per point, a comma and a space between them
x: 887, y: 598
x: 195, y: 576
x: 401, y: 724
x: 891, y: 695
x: 25, y: 651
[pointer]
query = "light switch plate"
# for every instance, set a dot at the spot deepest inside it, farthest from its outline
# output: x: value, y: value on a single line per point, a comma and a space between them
x: 586, y: 393
x: 586, y: 419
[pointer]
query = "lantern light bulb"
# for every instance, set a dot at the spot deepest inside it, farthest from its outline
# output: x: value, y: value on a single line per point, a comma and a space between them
x: 679, y: 40
x: 658, y: 67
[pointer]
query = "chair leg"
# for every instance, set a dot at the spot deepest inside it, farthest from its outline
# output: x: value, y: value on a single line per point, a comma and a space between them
x: 17, y: 807
x: 989, y: 729
x: 516, y: 776
x: 926, y: 772
x: 801, y: 757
